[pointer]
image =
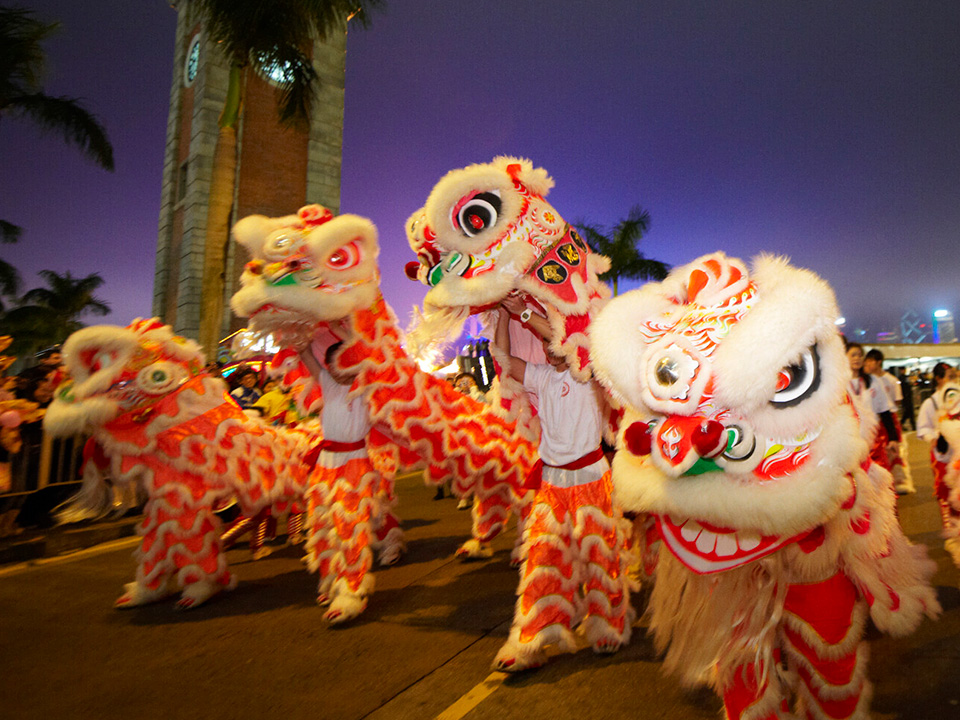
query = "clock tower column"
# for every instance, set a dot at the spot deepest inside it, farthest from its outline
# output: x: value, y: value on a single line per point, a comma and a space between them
x: 278, y: 169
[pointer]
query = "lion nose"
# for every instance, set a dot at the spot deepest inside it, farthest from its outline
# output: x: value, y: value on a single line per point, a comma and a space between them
x: 682, y: 444
x: 709, y: 438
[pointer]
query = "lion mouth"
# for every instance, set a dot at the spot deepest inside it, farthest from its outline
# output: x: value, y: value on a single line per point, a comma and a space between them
x: 708, y: 549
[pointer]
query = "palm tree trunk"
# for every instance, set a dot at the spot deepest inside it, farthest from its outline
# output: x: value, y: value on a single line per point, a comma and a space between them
x: 615, y: 278
x: 220, y: 206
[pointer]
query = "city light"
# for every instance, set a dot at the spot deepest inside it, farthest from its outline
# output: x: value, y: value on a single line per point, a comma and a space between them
x: 941, y: 313
x: 841, y: 321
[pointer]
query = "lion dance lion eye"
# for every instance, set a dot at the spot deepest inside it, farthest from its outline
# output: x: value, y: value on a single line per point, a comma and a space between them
x: 159, y: 378
x: 476, y: 213
x: 95, y: 359
x: 281, y: 245
x: 795, y: 383
x: 951, y: 400
x: 345, y: 257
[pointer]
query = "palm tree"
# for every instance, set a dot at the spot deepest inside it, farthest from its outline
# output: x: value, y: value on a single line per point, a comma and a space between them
x: 21, y: 73
x: 269, y: 37
x: 47, y: 316
x: 620, y: 245
x: 9, y: 282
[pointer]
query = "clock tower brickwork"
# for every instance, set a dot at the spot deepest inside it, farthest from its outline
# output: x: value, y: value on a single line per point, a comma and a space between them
x: 283, y: 169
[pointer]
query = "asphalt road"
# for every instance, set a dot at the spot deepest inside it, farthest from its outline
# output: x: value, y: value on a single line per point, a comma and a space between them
x: 422, y: 649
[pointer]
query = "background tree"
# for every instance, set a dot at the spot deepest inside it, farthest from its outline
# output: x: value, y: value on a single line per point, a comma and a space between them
x: 620, y: 244
x: 46, y: 316
x: 272, y: 38
x: 22, y: 63
x: 9, y: 283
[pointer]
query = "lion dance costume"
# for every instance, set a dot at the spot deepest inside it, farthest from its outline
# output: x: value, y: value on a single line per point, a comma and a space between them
x: 312, y: 280
x: 162, y: 421
x: 487, y: 232
x: 946, y: 465
x: 779, y: 532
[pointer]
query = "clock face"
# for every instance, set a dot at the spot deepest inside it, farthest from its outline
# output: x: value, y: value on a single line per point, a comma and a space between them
x: 192, y: 63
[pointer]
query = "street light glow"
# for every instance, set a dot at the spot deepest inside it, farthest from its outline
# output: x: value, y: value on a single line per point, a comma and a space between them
x: 941, y: 313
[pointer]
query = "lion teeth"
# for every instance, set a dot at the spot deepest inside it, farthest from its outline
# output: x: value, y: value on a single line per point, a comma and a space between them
x: 726, y: 545
x: 706, y: 542
x: 690, y: 531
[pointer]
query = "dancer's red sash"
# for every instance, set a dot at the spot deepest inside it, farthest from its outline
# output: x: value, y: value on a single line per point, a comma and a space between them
x: 535, y: 478
x: 310, y: 459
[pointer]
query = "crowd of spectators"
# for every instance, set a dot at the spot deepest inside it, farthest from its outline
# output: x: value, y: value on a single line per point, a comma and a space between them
x: 21, y: 444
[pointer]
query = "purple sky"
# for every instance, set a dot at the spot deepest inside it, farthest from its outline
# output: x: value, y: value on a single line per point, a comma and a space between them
x: 825, y: 131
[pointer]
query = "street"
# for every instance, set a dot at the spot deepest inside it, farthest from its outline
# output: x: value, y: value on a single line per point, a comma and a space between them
x: 422, y: 649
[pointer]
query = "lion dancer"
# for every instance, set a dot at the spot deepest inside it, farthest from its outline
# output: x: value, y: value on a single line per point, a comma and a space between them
x: 575, y: 565
x: 937, y: 425
x: 898, y: 467
x: 348, y: 500
x: 493, y: 499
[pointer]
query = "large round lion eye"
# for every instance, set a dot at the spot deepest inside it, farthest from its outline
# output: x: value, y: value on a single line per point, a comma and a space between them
x: 667, y: 371
x: 159, y: 378
x: 951, y: 399
x: 95, y: 359
x: 345, y: 257
x: 281, y: 245
x: 478, y: 213
x: 796, y: 383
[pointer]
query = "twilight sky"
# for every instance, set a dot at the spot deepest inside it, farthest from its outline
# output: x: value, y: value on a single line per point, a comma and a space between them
x: 828, y: 132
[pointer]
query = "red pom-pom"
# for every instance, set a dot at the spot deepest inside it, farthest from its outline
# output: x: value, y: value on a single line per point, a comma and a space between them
x: 637, y: 438
x: 411, y: 269
x: 708, y: 439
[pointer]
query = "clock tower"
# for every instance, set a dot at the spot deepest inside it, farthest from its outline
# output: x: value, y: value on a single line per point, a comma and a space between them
x: 279, y: 169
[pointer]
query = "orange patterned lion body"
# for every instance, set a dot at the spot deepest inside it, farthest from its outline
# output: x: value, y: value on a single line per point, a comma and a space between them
x: 161, y: 421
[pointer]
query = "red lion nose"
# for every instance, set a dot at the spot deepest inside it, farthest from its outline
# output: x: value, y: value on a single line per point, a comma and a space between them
x: 708, y: 438
x: 679, y: 439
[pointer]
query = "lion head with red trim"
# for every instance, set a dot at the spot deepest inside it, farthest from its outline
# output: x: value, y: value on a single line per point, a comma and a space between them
x: 739, y: 434
x: 487, y: 232
x: 114, y: 370
x: 305, y: 270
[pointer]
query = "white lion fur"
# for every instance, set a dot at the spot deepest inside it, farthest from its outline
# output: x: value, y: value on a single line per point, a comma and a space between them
x: 300, y: 301
x: 486, y: 177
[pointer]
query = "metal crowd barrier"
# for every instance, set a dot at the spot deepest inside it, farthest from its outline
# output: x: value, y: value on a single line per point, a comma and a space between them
x: 43, y: 474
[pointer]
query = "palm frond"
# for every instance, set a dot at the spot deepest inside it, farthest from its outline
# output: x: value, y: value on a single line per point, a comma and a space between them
x: 22, y: 58
x: 620, y: 246
x: 594, y: 236
x: 296, y: 83
x: 639, y: 268
x: 9, y: 279
x: 66, y: 116
x: 634, y: 227
x: 10, y: 233
x: 279, y: 35
x: 66, y: 295
x: 331, y: 15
